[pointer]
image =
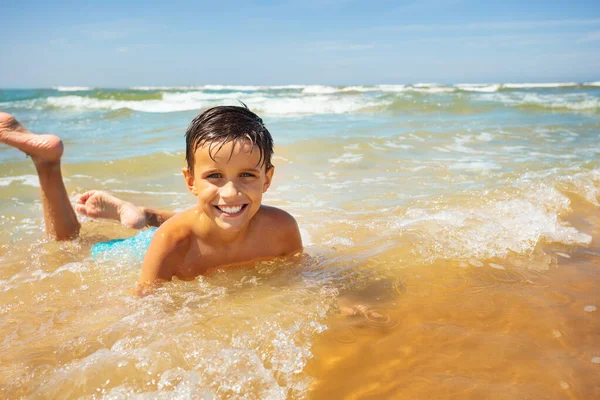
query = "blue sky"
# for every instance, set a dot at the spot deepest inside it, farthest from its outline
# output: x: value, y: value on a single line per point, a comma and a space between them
x: 335, y: 42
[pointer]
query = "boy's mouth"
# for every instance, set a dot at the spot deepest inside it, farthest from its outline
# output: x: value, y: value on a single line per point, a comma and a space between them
x: 231, y: 211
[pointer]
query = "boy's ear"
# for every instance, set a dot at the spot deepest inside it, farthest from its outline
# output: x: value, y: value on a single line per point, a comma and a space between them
x: 189, y: 181
x: 269, y: 177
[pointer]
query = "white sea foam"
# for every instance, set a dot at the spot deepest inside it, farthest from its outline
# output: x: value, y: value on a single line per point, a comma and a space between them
x: 398, y: 146
x: 476, y: 87
x: 360, y: 89
x: 307, y: 239
x: 430, y: 88
x: 347, y: 158
x: 37, y: 275
x: 244, y: 88
x: 495, y: 229
x: 589, y: 104
x: 72, y: 88
x: 485, y: 136
x: 392, y: 88
x: 166, y: 88
x: 285, y: 87
x: 320, y: 89
x: 426, y: 85
x: 194, y: 100
x: 476, y: 165
x: 537, y: 85
x: 320, y: 104
x: 592, y: 83
x: 170, y: 102
x: 221, y: 87
x: 573, y: 101
x: 585, y: 184
x: 28, y: 180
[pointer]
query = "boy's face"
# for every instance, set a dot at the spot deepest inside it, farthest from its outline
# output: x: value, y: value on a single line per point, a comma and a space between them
x: 230, y: 187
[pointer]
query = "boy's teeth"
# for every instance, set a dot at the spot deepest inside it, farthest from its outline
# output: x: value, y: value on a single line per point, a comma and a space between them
x: 231, y: 210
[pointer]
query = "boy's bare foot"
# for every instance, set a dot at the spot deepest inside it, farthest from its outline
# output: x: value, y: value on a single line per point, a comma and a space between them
x: 99, y: 204
x: 41, y: 148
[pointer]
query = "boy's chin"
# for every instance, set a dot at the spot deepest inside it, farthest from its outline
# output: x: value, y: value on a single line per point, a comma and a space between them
x: 232, y: 224
x: 230, y: 227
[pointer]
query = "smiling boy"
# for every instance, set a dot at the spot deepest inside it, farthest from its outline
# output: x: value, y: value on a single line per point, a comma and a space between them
x: 228, y: 154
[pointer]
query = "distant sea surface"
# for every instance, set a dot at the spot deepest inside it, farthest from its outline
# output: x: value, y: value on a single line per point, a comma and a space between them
x: 458, y: 225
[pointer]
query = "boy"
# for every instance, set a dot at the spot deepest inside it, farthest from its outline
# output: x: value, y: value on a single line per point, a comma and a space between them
x: 228, y: 154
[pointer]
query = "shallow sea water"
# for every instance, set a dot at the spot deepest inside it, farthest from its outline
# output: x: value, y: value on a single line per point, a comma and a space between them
x: 451, y: 249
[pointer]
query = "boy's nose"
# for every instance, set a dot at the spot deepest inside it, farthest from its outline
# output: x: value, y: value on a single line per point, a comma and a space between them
x: 229, y: 190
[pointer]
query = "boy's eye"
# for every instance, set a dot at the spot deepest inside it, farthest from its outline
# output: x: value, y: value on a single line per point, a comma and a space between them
x: 246, y: 175
x: 213, y: 176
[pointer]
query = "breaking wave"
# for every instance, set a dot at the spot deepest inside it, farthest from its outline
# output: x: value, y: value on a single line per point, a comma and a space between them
x: 297, y: 100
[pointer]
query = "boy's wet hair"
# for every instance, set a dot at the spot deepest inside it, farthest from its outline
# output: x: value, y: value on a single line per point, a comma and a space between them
x: 220, y: 125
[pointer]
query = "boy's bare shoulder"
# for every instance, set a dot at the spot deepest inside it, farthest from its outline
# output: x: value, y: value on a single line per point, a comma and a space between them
x: 279, y: 227
x: 276, y: 216
x: 179, y: 228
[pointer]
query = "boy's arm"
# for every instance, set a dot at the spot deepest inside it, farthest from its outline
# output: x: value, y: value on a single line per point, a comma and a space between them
x: 167, y: 250
x: 156, y: 217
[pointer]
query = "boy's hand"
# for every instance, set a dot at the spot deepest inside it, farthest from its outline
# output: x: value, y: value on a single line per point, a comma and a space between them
x: 99, y: 204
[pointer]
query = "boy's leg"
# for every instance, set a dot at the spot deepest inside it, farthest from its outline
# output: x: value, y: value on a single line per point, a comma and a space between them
x: 46, y: 152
